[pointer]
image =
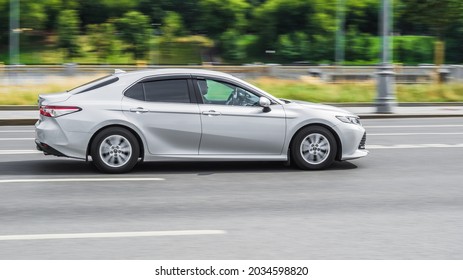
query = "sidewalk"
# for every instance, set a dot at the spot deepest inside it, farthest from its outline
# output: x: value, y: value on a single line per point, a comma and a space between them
x: 28, y: 116
x: 408, y: 112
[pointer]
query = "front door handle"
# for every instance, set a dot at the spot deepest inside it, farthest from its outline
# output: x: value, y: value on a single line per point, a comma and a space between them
x: 139, y: 110
x: 211, y: 113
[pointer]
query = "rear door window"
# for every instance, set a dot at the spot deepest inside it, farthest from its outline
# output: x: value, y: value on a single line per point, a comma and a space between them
x: 167, y: 91
x: 175, y: 90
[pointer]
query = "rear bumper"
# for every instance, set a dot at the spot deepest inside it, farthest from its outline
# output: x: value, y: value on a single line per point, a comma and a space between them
x: 47, y: 150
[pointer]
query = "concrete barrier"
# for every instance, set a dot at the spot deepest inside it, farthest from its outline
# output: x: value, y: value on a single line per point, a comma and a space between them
x: 328, y: 74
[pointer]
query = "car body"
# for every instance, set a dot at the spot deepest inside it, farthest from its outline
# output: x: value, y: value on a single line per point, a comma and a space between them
x: 191, y: 115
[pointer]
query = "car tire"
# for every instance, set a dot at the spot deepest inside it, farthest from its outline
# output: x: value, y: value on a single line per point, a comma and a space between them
x: 313, y: 148
x: 115, y: 150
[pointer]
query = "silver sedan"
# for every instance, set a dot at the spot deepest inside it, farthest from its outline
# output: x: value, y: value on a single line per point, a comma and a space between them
x: 191, y: 115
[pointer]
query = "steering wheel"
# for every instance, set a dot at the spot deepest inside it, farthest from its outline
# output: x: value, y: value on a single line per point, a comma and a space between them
x: 232, y: 98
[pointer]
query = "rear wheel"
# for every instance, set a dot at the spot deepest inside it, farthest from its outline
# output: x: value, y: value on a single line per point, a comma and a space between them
x: 313, y: 147
x: 115, y: 150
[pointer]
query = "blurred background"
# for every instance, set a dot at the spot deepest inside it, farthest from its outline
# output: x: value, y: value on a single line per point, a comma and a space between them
x: 303, y: 45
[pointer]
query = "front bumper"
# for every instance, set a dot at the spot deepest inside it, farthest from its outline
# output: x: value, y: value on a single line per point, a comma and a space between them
x: 353, y: 139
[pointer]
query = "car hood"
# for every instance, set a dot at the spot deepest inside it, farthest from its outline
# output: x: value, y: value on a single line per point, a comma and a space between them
x: 322, y: 107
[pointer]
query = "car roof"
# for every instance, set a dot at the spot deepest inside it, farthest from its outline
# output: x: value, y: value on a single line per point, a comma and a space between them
x: 173, y: 71
x: 140, y: 74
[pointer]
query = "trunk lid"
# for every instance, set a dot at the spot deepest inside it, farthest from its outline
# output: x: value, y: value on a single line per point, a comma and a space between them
x: 49, y: 99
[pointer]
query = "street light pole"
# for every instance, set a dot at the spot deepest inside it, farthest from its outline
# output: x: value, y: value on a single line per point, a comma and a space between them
x: 14, y: 32
x: 385, y: 101
x: 157, y: 48
x: 340, y: 41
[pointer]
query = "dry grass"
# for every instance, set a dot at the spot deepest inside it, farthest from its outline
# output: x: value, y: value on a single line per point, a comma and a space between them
x: 312, y: 89
x: 27, y: 92
x: 306, y: 88
x: 430, y: 92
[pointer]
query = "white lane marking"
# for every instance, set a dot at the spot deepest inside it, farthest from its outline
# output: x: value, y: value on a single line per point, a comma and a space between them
x: 18, y: 131
x: 110, y: 234
x: 19, y: 152
x: 413, y: 146
x: 414, y: 133
x: 414, y: 126
x: 78, y: 180
x: 15, y: 139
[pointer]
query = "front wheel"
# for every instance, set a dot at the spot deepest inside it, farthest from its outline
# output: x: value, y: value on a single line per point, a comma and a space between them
x: 115, y: 150
x: 313, y: 147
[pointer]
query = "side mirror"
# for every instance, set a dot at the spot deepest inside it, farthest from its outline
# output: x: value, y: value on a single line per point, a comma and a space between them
x: 265, y: 102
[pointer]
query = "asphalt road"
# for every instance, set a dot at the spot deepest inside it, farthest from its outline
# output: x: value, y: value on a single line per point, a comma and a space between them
x: 403, y: 201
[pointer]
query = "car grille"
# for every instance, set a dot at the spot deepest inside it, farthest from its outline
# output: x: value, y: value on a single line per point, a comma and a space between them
x: 363, y: 141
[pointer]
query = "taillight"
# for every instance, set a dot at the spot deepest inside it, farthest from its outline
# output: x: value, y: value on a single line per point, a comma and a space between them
x: 57, y: 111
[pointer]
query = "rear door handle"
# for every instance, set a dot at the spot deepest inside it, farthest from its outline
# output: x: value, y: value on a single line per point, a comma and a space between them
x: 139, y: 110
x: 211, y: 113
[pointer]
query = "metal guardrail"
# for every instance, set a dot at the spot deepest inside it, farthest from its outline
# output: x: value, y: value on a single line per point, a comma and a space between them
x: 328, y: 74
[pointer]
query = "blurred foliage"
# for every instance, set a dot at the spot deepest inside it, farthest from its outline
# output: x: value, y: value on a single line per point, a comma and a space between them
x: 68, y: 32
x: 135, y: 31
x: 241, y: 30
x: 172, y: 26
x: 102, y: 38
x: 217, y: 16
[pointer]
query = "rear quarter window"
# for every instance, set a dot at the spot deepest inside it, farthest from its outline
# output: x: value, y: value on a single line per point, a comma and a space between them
x: 136, y: 92
x: 97, y: 85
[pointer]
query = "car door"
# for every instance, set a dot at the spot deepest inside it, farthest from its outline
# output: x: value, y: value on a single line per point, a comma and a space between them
x: 166, y: 112
x: 233, y: 123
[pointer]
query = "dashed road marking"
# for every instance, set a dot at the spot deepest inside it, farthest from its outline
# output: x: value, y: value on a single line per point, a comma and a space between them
x: 414, y: 133
x: 17, y: 131
x: 112, y: 179
x: 413, y: 146
x: 19, y: 152
x: 110, y: 234
x: 414, y: 126
x: 16, y: 139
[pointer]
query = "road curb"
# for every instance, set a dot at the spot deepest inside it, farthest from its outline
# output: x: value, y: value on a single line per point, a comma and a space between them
x: 5, y: 122
x: 18, y: 107
x: 401, y: 104
x: 407, y: 116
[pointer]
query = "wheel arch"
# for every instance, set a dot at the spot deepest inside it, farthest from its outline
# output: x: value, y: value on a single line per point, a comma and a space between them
x: 137, y: 136
x: 330, y: 129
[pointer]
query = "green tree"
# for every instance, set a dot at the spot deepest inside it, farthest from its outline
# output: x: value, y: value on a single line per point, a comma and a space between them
x: 99, y: 11
x: 53, y: 7
x: 438, y: 16
x: 189, y: 10
x: 68, y: 32
x: 135, y: 30
x: 4, y: 9
x: 217, y: 16
x: 293, y: 46
x: 103, y: 39
x: 231, y: 47
x: 314, y: 18
x: 33, y: 14
x: 172, y: 25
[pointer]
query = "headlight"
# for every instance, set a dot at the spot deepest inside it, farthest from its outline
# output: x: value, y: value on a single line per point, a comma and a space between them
x: 349, y: 119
